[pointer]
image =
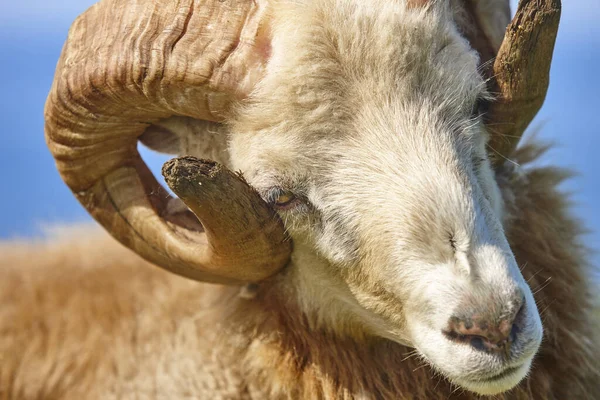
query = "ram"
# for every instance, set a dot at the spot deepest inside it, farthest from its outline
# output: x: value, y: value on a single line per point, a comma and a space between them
x: 379, y: 243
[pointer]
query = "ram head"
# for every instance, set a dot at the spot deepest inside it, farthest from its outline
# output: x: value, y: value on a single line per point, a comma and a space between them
x: 367, y: 134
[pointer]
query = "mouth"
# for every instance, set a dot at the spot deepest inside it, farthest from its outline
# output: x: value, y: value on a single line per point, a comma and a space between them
x: 497, y: 383
x: 482, y: 370
x: 507, y: 373
x: 477, y: 371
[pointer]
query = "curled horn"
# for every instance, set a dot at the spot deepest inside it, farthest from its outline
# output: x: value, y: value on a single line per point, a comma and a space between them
x: 129, y: 64
x: 521, y: 73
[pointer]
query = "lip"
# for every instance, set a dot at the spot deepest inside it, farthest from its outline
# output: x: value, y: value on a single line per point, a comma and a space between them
x: 504, y: 374
x: 497, y: 383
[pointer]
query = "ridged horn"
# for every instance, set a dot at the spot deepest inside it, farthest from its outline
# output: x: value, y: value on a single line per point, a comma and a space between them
x: 129, y: 64
x: 521, y: 73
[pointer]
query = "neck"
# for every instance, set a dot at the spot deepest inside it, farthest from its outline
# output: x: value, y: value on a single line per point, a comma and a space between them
x: 298, y: 353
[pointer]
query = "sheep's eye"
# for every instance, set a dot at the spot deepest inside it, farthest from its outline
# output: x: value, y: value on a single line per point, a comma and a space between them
x: 282, y: 199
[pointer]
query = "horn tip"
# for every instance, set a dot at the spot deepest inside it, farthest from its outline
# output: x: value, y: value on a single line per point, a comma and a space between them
x: 185, y: 169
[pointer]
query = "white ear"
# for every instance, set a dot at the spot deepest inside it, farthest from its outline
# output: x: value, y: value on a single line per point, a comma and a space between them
x: 188, y: 136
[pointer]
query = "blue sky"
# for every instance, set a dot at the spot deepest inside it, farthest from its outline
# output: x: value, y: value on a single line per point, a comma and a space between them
x: 32, y: 33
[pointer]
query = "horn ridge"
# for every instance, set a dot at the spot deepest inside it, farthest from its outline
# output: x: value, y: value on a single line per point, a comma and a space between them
x: 521, y: 73
x: 128, y: 65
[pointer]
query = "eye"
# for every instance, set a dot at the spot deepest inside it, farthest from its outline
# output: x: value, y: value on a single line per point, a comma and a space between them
x: 282, y: 199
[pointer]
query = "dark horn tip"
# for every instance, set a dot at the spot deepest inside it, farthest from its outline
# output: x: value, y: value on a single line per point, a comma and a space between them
x: 188, y: 168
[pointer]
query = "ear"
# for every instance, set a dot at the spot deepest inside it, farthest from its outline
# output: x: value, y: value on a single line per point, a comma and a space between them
x: 483, y: 23
x: 189, y: 137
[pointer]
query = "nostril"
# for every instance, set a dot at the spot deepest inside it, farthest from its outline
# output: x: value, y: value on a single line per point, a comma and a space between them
x: 491, y: 340
x: 485, y: 334
x: 517, y: 322
x: 477, y: 342
x: 513, y: 332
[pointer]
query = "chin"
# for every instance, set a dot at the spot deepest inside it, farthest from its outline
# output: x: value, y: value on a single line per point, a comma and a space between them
x: 498, y: 383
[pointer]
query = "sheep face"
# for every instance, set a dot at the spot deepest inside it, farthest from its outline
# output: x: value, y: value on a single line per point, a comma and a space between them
x: 367, y: 139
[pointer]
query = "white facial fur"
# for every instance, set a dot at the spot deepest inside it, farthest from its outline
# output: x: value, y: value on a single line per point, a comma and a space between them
x: 369, y: 122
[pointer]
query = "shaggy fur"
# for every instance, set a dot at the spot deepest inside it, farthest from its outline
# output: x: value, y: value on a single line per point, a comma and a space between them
x: 125, y: 329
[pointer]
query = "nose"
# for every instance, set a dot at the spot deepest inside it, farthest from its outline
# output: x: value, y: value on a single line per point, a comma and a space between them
x: 485, y: 330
